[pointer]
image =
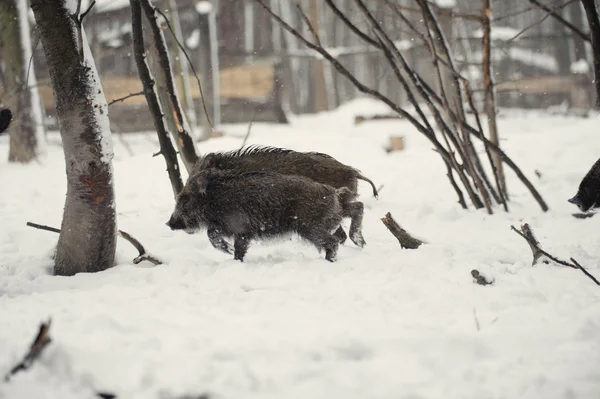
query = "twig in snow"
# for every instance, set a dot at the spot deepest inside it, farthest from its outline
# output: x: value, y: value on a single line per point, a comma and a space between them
x: 585, y: 271
x: 527, y: 234
x: 404, y: 238
x: 128, y: 237
x: 39, y: 344
x: 475, y: 317
x: 143, y: 254
x: 121, y: 99
x: 481, y: 280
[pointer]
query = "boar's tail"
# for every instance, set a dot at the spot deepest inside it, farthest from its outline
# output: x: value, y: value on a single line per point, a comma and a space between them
x: 361, y: 177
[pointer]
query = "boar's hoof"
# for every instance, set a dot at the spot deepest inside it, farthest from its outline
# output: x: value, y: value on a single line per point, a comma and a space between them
x: 340, y: 234
x: 358, y: 239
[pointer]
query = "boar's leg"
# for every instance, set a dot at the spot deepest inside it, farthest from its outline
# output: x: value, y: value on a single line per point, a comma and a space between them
x: 216, y: 239
x: 341, y: 235
x: 356, y: 210
x: 240, y: 246
x: 322, y: 239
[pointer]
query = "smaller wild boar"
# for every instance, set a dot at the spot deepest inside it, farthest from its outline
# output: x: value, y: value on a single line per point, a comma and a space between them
x: 319, y: 167
x: 588, y: 194
x: 259, y: 205
x: 5, y: 119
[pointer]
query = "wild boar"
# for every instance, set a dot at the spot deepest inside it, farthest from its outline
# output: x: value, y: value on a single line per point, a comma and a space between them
x: 319, y: 167
x: 5, y: 119
x: 259, y: 205
x: 588, y: 194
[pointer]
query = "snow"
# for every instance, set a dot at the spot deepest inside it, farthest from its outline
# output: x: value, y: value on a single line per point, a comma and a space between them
x: 204, y: 7
x: 445, y: 3
x: 381, y: 322
x: 543, y: 61
x: 502, y: 33
x: 194, y: 39
x: 580, y: 66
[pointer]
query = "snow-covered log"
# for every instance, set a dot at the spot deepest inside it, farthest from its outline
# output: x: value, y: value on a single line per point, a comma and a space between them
x: 87, y: 239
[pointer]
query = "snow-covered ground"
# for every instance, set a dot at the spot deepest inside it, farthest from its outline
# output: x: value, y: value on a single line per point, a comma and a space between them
x: 381, y: 322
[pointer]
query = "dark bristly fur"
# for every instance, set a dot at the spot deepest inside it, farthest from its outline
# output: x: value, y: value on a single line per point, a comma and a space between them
x: 259, y: 205
x: 319, y: 167
x: 588, y: 194
x: 5, y: 119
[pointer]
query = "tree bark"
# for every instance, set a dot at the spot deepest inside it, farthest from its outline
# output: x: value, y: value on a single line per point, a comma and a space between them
x: 490, y: 98
x: 205, y: 68
x: 87, y: 239
x: 22, y: 93
x: 317, y: 66
x: 172, y: 106
x: 591, y: 13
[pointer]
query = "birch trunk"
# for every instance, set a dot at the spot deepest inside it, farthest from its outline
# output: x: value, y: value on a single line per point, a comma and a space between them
x: 87, y: 239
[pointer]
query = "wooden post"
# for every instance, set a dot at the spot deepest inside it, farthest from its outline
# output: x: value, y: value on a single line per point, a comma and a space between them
x: 317, y: 67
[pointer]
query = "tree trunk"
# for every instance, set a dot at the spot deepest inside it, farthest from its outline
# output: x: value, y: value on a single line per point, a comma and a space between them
x: 490, y: 98
x: 180, y: 129
x: 183, y: 69
x: 317, y: 66
x: 23, y: 99
x: 591, y: 13
x: 205, y: 70
x: 87, y: 239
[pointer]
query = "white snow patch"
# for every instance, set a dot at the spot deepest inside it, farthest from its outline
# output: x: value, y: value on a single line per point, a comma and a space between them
x: 204, y: 7
x: 194, y: 39
x: 580, y: 66
x: 445, y: 3
x: 381, y: 322
x: 532, y: 58
x: 502, y: 33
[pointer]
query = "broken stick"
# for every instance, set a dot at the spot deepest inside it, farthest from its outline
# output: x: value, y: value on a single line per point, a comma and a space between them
x: 39, y: 343
x: 404, y: 238
x: 140, y: 258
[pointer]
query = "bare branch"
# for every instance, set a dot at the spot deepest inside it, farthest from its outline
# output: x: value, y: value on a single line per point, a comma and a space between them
x: 404, y: 238
x: 249, y: 127
x: 527, y: 234
x: 559, y: 18
x: 121, y: 99
x: 143, y: 254
x: 308, y: 23
x: 585, y: 271
x: 141, y: 257
x: 86, y: 12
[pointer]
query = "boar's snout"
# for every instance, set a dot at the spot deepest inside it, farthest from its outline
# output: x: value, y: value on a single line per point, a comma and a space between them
x: 576, y: 200
x: 175, y: 223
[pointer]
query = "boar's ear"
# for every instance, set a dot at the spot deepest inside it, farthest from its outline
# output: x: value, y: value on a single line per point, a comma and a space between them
x: 575, y: 200
x: 202, y: 181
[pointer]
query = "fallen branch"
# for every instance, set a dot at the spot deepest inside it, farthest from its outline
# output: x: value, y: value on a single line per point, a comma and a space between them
x: 143, y: 254
x: 527, y: 234
x: 479, y: 279
x: 247, y: 136
x: 39, y: 344
x: 138, y: 259
x: 404, y: 238
x: 121, y: 99
x: 583, y: 215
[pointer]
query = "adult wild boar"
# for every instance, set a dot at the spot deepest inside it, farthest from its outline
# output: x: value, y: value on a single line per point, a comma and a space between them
x: 259, y: 205
x: 5, y: 119
x: 588, y: 194
x: 319, y: 167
